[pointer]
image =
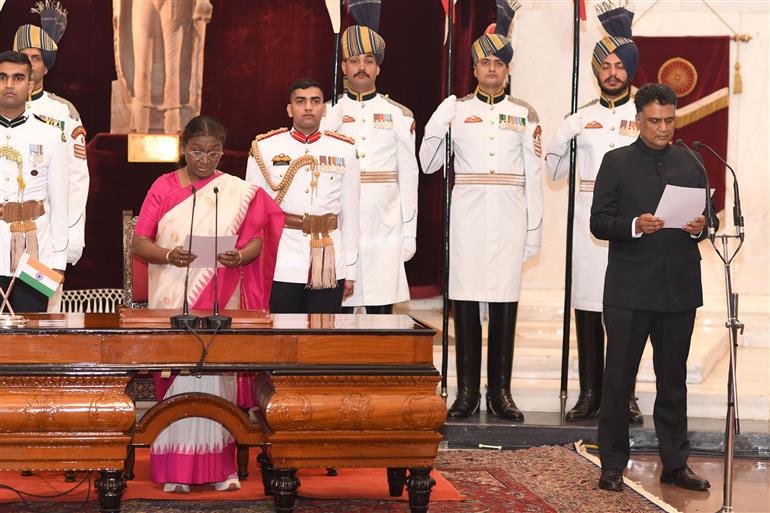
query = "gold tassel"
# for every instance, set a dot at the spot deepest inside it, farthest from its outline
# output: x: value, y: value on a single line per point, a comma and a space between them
x: 31, y: 240
x: 329, y: 275
x: 737, y: 80
x: 17, y: 244
x: 323, y: 273
x: 316, y: 266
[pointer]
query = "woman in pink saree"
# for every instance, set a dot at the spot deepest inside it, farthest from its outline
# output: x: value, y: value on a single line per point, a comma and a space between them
x: 197, y: 450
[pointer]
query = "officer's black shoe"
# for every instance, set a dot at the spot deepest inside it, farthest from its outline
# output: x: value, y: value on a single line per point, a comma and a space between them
x: 611, y: 480
x: 635, y: 416
x: 466, y: 404
x: 501, y: 404
x: 684, y: 477
x: 587, y: 406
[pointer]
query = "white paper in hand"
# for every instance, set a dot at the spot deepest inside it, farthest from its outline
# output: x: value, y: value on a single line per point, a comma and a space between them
x: 203, y: 248
x: 680, y: 205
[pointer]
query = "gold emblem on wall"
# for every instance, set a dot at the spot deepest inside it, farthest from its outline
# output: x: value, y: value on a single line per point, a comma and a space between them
x: 679, y: 74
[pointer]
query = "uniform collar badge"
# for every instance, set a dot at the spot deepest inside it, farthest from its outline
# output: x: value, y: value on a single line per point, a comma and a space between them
x: 306, y: 139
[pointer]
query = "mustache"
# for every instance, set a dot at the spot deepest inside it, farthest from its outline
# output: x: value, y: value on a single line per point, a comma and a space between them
x: 362, y: 74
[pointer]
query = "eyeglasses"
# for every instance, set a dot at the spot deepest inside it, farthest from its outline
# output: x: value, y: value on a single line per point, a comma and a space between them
x: 198, y: 155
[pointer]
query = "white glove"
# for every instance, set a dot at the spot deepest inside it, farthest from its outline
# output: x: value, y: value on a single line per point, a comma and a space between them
x: 446, y: 112
x: 408, y: 248
x: 332, y: 118
x: 532, y: 243
x: 571, y: 127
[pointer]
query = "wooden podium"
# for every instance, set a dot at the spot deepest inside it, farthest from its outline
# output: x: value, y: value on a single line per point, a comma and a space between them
x: 332, y: 391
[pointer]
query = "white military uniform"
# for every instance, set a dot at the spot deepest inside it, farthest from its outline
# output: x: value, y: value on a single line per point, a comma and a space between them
x: 62, y: 115
x: 336, y: 191
x: 599, y: 127
x: 44, y: 173
x: 384, y: 135
x: 497, y: 198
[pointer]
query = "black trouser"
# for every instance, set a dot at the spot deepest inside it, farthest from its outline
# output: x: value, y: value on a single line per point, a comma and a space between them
x: 502, y: 327
x: 379, y: 309
x: 23, y: 297
x: 297, y: 298
x: 590, y: 348
x: 670, y: 334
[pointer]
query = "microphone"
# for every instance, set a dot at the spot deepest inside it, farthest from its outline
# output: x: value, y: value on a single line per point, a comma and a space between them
x: 217, y: 321
x: 709, y: 213
x: 185, y: 320
x: 737, y: 214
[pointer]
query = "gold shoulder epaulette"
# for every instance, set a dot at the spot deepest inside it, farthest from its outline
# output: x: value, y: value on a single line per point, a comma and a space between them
x: 73, y: 111
x: 532, y: 116
x: 339, y: 136
x: 404, y: 109
x: 466, y: 98
x: 270, y: 133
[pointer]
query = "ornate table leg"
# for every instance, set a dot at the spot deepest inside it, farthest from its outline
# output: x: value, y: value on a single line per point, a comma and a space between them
x: 243, y: 462
x: 331, y: 471
x: 266, y: 468
x: 111, y: 486
x: 419, y: 483
x: 284, y: 485
x: 70, y: 476
x: 396, y: 479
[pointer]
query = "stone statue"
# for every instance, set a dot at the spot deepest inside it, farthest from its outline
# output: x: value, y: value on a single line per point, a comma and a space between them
x: 159, y: 63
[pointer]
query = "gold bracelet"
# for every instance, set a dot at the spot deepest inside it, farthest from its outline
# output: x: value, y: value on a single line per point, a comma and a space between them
x: 168, y: 253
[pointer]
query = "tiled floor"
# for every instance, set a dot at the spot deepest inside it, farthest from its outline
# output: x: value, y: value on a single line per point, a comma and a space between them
x: 751, y: 484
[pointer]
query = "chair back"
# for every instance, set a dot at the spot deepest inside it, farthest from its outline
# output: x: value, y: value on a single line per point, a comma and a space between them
x: 135, y: 291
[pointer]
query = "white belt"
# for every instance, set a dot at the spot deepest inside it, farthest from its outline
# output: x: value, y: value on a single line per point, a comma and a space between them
x: 379, y: 176
x: 489, y: 179
x: 587, y: 185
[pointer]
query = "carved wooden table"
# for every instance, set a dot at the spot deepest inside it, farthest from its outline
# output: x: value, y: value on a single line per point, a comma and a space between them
x: 333, y: 391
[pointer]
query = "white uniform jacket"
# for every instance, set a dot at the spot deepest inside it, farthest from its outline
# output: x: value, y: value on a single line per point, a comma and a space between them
x: 62, y: 115
x: 334, y: 191
x: 497, y: 199
x: 599, y: 128
x: 384, y: 135
x: 44, y: 173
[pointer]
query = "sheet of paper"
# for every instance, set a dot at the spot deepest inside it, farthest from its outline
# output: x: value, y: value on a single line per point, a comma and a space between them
x: 203, y: 247
x: 680, y: 205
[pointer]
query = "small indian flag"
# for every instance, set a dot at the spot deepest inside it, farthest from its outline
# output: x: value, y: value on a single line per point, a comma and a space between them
x: 38, y: 276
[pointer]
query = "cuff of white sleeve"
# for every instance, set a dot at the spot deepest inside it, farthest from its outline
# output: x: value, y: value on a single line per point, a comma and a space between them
x: 633, y: 228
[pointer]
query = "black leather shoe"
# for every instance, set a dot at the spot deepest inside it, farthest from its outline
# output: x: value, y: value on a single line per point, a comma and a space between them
x: 466, y: 404
x: 611, y: 480
x: 502, y: 405
x: 684, y: 477
x: 635, y: 416
x: 587, y: 406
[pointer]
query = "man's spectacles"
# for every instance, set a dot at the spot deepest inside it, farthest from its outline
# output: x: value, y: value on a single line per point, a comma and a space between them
x: 198, y: 155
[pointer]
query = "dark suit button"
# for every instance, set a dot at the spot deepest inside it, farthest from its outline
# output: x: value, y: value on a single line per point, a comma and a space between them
x: 660, y: 164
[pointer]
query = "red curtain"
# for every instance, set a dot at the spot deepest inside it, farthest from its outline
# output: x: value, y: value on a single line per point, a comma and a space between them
x: 695, y: 67
x: 254, y: 49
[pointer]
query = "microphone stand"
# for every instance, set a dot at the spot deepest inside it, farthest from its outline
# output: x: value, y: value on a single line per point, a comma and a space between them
x: 217, y: 321
x: 733, y: 325
x: 185, y: 320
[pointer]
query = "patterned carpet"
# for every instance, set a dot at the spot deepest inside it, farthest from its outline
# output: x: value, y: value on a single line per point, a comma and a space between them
x: 537, y: 480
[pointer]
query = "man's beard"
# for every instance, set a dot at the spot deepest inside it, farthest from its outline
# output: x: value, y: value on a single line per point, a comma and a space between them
x: 614, y: 91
